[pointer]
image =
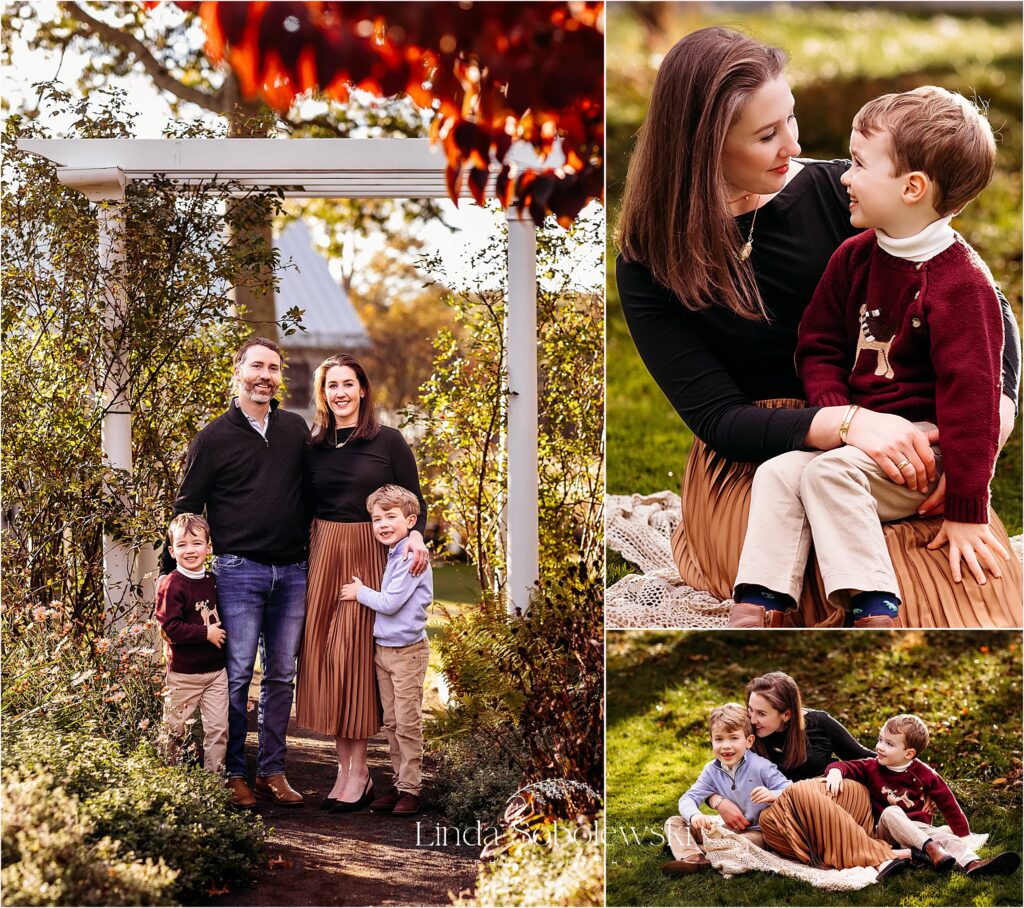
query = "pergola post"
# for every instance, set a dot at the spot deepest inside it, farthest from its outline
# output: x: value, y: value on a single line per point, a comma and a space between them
x: 523, y: 538
x: 308, y: 168
x: 117, y: 416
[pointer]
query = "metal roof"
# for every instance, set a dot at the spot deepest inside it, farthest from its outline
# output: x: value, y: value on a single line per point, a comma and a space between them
x: 329, y: 318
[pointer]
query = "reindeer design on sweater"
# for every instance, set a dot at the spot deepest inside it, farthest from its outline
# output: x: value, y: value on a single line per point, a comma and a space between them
x: 877, y: 335
x: 209, y: 615
x: 895, y: 798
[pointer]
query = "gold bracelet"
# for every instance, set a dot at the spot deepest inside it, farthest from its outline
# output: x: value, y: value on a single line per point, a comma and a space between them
x: 844, y: 426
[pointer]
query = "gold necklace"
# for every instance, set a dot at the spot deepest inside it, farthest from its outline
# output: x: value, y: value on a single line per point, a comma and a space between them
x: 748, y: 246
x: 347, y: 440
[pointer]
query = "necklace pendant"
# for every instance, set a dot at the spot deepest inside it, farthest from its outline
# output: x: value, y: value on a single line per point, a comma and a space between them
x: 748, y: 247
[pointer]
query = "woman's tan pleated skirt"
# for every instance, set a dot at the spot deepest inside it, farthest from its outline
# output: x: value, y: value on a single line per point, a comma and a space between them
x: 336, y: 692
x: 806, y: 825
x: 709, y: 538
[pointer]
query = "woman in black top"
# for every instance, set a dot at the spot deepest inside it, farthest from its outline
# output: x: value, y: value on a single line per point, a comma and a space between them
x: 723, y: 236
x: 350, y: 456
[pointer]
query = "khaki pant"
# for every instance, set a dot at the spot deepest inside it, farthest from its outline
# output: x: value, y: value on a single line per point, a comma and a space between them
x: 208, y: 691
x: 688, y: 844
x: 838, y: 499
x: 895, y: 827
x: 400, y: 674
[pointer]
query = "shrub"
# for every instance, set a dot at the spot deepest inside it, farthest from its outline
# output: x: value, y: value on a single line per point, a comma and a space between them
x: 474, y: 780
x: 565, y: 868
x: 180, y: 816
x: 51, y: 854
x: 533, y: 685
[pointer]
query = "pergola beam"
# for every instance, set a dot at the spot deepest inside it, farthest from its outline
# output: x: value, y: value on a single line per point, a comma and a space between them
x: 317, y: 168
x: 304, y: 168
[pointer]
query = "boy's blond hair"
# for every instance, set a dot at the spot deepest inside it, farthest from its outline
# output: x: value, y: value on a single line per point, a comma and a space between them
x: 913, y: 729
x: 188, y: 523
x: 940, y: 133
x: 730, y: 717
x: 392, y: 496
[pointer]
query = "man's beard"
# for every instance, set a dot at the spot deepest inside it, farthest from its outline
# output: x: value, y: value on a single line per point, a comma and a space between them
x: 257, y: 391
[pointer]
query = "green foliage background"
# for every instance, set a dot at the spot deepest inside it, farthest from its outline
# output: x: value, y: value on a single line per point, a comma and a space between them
x: 839, y: 57
x: 662, y: 685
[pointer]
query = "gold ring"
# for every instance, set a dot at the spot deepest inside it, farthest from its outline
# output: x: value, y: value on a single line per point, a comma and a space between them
x: 903, y: 463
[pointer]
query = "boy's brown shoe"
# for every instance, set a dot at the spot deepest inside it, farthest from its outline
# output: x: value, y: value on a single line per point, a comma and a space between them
x: 746, y: 614
x: 876, y: 621
x: 277, y: 789
x: 939, y: 857
x: 1003, y: 864
x: 242, y: 794
x: 385, y: 803
x: 686, y: 866
x: 407, y: 805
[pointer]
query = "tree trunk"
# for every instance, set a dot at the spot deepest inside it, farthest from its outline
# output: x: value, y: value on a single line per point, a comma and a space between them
x: 255, y: 308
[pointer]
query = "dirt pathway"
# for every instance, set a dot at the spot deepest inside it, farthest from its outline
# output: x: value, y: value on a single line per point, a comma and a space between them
x: 320, y: 858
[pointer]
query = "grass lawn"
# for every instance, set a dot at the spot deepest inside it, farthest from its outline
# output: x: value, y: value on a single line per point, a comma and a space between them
x: 661, y: 686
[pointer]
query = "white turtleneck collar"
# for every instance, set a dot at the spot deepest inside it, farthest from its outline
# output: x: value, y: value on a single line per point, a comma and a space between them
x: 937, y: 237
x: 193, y: 575
x: 902, y: 768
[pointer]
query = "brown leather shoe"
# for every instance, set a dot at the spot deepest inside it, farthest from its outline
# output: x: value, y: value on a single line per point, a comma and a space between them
x: 686, y: 866
x: 940, y: 858
x: 277, y: 789
x: 746, y: 614
x: 876, y: 621
x: 385, y: 803
x: 1003, y: 864
x: 407, y: 805
x: 242, y: 794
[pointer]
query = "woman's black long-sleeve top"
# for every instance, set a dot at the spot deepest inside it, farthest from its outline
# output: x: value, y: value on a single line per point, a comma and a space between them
x: 827, y: 740
x: 339, y: 480
x: 713, y: 364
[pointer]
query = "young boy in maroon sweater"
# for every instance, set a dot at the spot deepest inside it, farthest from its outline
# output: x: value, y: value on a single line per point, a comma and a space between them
x: 186, y: 607
x: 903, y: 791
x: 904, y: 321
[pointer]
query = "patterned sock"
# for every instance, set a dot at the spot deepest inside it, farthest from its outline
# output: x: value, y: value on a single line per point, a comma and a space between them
x: 768, y: 599
x: 873, y: 603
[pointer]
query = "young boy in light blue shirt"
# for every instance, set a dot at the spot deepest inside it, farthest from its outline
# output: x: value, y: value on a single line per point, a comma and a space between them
x: 748, y: 780
x: 401, y: 651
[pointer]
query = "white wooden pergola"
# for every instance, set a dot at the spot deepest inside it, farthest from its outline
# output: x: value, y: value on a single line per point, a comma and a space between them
x: 310, y: 168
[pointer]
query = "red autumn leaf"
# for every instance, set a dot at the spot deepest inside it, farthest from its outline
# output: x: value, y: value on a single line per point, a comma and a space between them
x: 491, y: 73
x: 217, y: 890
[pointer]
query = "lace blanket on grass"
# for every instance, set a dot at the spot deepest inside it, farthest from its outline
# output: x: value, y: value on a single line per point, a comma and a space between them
x: 731, y: 854
x: 639, y: 528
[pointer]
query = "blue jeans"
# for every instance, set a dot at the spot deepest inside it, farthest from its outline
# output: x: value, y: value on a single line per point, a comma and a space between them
x: 261, y: 606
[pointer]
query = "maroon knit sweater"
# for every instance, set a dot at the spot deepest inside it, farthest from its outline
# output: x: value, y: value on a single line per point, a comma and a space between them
x: 180, y: 605
x: 921, y: 340
x: 910, y: 789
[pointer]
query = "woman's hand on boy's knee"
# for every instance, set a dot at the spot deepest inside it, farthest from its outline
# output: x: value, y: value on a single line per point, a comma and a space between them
x: 732, y: 816
x: 901, y: 450
x: 973, y: 543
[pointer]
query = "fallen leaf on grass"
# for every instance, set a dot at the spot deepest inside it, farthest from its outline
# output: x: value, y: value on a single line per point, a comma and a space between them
x: 217, y: 890
x: 999, y: 781
x: 274, y: 863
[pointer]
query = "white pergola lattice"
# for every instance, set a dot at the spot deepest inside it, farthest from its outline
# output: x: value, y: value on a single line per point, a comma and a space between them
x: 314, y: 168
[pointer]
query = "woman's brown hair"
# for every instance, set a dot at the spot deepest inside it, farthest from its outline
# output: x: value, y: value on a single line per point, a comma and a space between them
x: 675, y: 215
x: 324, y: 432
x: 783, y: 694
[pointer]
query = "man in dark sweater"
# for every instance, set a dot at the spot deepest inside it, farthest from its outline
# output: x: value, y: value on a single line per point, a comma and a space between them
x: 903, y: 790
x: 245, y: 470
x: 905, y: 321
